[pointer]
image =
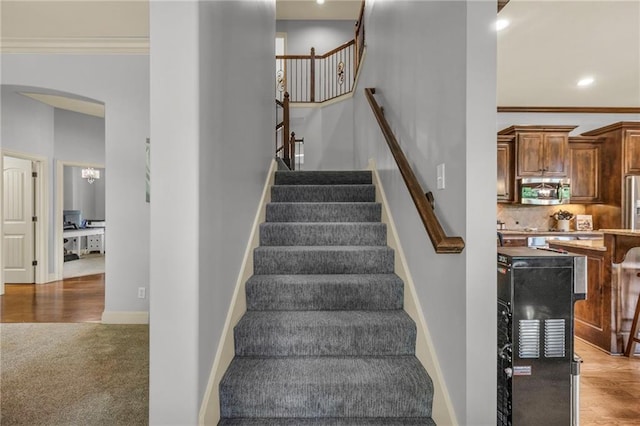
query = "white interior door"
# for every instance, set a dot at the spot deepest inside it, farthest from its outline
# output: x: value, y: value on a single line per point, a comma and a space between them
x: 18, y: 207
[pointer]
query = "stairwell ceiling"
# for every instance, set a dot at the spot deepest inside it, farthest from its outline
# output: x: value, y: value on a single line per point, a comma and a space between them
x: 548, y: 47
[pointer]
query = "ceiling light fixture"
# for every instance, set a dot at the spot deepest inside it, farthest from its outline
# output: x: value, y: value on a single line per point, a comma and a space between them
x: 90, y: 174
x: 587, y: 81
x: 320, y: 1
x: 501, y: 24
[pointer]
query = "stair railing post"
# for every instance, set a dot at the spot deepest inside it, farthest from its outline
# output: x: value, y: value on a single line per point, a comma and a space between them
x: 285, y: 130
x: 312, y: 83
x: 292, y: 142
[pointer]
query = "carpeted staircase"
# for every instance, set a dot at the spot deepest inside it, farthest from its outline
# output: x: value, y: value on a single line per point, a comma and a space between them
x: 325, y: 340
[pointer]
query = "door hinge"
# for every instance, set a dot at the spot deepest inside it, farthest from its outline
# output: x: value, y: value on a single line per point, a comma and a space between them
x: 34, y: 174
x: 34, y: 263
x: 34, y: 218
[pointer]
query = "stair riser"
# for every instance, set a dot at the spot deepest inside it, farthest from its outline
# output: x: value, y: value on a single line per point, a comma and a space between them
x: 323, y: 193
x: 362, y: 421
x: 366, y: 261
x: 323, y: 178
x: 303, y: 234
x: 312, y: 401
x: 289, y: 297
x: 323, y: 212
x: 356, y: 340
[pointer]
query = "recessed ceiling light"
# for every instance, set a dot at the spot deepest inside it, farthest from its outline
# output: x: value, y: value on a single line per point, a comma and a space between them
x: 501, y: 24
x: 587, y: 81
x: 320, y: 1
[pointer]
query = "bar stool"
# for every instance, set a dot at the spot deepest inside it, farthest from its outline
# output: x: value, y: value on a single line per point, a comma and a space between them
x: 633, y: 336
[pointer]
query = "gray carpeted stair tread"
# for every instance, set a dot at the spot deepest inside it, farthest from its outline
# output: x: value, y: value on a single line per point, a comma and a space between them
x: 326, y: 387
x: 325, y: 292
x: 323, y: 212
x: 323, y: 193
x: 323, y: 260
x: 325, y: 333
x: 324, y: 340
x: 323, y: 234
x: 345, y: 421
x: 329, y: 177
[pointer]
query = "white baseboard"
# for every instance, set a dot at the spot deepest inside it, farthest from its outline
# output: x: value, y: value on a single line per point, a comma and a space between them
x: 123, y: 317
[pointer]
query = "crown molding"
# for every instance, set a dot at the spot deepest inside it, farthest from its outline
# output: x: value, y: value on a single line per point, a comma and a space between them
x: 84, y: 45
x: 591, y: 110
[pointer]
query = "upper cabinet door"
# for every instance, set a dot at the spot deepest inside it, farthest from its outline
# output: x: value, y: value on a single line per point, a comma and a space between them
x: 506, y: 178
x: 530, y: 154
x: 632, y: 152
x: 555, y: 154
x: 543, y: 154
x: 584, y: 164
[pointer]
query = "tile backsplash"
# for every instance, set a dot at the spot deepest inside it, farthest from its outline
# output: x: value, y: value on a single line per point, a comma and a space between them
x: 518, y: 216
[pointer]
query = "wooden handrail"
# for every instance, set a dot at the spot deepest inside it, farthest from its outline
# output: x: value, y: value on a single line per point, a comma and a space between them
x: 326, y: 55
x: 441, y: 242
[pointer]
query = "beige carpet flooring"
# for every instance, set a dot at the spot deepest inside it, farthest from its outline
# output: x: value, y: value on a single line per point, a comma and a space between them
x: 74, y: 374
x: 88, y: 264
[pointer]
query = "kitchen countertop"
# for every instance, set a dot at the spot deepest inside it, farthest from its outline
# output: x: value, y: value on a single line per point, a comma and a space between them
x: 583, y: 244
x: 625, y: 232
x: 534, y: 233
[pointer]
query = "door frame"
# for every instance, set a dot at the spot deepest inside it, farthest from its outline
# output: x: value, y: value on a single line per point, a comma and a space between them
x: 41, y: 208
x: 58, y: 214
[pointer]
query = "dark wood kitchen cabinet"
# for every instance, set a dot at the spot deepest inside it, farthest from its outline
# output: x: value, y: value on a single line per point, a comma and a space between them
x: 620, y: 157
x: 632, y: 152
x: 541, y: 150
x: 506, y: 169
x: 585, y: 155
x: 593, y: 316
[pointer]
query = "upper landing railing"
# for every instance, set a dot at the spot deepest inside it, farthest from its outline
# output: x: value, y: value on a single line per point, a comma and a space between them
x: 319, y: 78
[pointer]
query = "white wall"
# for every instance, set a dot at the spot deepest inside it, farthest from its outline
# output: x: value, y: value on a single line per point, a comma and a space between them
x: 221, y: 111
x: 322, y: 34
x: 121, y: 82
x: 433, y: 65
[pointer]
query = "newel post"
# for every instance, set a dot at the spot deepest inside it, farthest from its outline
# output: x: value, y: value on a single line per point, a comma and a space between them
x: 312, y: 83
x: 285, y: 128
x: 292, y: 142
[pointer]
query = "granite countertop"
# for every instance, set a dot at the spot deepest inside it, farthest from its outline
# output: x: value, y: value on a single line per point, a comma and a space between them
x: 583, y: 244
x: 626, y: 232
x: 534, y: 232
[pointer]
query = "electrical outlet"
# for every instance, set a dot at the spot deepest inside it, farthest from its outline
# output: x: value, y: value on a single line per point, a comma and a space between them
x: 142, y: 292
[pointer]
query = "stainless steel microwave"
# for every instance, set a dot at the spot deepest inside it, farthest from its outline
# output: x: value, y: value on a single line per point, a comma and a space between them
x: 545, y: 191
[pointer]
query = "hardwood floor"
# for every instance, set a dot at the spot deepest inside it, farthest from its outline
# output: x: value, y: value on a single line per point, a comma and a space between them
x: 78, y: 299
x: 609, y: 385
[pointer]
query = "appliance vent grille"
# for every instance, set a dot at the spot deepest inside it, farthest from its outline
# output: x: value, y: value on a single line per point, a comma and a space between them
x: 529, y: 339
x: 554, y: 343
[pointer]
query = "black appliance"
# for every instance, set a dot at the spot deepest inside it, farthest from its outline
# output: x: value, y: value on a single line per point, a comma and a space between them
x: 537, y: 370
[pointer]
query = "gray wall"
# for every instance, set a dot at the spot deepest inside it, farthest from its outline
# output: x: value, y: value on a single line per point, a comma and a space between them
x: 323, y: 35
x: 440, y: 100
x: 34, y: 128
x: 78, y: 137
x: 328, y: 135
x: 121, y: 82
x: 221, y: 112
x: 84, y: 196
